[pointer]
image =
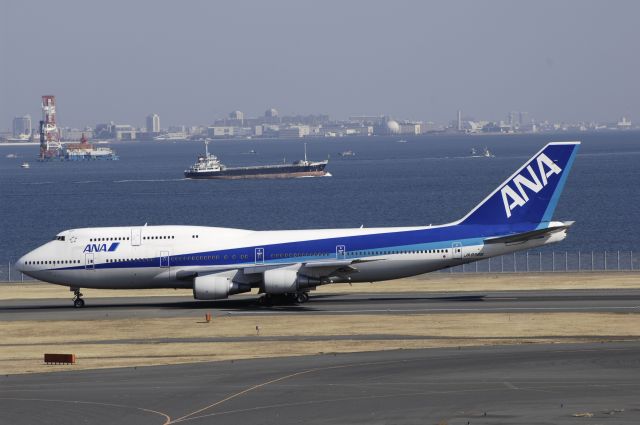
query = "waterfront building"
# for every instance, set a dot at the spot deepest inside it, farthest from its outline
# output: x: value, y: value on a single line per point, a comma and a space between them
x: 410, y: 128
x: 153, y: 124
x: 367, y: 119
x: 388, y: 127
x: 294, y: 131
x: 220, y: 131
x: 75, y: 134
x: 124, y: 132
x: 22, y: 127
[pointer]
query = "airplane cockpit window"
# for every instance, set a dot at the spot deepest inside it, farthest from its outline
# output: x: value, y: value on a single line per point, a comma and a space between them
x: 60, y: 238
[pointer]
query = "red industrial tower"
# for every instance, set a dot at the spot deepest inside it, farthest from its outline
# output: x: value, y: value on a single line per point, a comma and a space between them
x: 49, y: 133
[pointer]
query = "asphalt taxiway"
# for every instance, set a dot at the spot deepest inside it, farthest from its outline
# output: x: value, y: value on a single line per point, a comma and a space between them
x: 555, y: 384
x: 619, y: 300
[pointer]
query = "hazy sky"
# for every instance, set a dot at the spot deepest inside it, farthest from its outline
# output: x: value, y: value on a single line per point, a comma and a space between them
x: 194, y: 61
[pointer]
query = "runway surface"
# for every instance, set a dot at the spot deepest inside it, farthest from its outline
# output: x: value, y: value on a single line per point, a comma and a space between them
x: 380, y: 303
x: 542, y: 384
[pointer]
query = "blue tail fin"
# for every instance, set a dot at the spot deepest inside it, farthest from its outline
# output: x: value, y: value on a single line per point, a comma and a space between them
x: 530, y: 195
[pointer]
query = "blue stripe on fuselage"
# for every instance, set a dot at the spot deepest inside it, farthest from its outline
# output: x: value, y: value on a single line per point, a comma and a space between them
x: 370, y: 245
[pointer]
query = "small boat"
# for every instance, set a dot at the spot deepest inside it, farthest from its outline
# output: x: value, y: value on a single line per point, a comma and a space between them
x: 25, y: 165
x: 401, y: 141
x: 347, y: 153
x: 486, y: 153
x: 12, y: 155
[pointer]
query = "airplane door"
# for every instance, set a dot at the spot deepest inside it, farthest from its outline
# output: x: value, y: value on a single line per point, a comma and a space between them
x: 259, y: 256
x: 89, y: 262
x: 136, y: 236
x: 456, y: 250
x: 164, y: 259
x: 341, y: 252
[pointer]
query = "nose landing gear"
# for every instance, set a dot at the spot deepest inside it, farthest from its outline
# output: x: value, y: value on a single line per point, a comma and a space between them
x: 78, y: 302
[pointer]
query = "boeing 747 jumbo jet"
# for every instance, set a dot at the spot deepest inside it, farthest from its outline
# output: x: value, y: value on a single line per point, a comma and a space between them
x: 217, y: 262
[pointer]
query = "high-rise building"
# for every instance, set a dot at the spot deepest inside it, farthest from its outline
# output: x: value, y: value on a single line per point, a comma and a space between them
x: 153, y: 123
x: 22, y: 127
x: 512, y: 118
x: 271, y: 113
x: 236, y: 115
x: 459, y: 122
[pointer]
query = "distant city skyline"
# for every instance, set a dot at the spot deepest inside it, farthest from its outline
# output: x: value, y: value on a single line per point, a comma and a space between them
x: 195, y: 62
x: 461, y: 121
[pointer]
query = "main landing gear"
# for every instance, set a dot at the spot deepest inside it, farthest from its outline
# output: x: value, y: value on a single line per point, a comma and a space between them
x: 78, y: 302
x: 273, y: 299
x: 301, y: 297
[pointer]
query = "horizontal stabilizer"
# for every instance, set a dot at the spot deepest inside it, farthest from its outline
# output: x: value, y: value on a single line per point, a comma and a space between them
x: 525, y: 236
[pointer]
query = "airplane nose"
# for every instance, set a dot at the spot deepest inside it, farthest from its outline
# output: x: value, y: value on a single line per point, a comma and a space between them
x: 20, y: 264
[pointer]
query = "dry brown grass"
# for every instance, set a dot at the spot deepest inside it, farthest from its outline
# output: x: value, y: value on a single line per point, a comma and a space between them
x: 25, y: 342
x: 472, y: 282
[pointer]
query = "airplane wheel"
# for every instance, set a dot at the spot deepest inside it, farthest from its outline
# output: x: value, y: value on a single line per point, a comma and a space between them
x: 302, y: 297
x: 265, y: 300
x: 78, y: 303
x: 306, y: 296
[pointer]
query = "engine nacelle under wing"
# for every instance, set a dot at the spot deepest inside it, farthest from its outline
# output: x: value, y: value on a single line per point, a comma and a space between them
x: 217, y: 287
x: 282, y: 281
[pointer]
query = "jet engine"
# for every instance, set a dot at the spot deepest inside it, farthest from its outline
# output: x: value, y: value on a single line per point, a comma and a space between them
x: 217, y: 287
x: 283, y: 281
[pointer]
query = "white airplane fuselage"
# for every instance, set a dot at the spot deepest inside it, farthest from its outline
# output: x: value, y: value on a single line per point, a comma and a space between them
x: 162, y: 256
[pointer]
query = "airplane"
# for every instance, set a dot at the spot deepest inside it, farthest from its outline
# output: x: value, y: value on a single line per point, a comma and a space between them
x: 218, y: 262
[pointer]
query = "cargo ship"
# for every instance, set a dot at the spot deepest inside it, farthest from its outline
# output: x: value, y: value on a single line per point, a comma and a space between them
x: 208, y: 166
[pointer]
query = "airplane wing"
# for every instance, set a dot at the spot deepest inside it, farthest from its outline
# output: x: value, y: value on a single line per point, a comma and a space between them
x: 332, y: 268
x: 319, y: 268
x: 525, y: 236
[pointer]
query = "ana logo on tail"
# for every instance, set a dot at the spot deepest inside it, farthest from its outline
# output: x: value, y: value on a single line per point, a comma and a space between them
x: 516, y: 196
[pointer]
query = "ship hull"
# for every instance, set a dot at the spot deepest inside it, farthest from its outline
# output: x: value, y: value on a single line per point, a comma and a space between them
x: 271, y: 172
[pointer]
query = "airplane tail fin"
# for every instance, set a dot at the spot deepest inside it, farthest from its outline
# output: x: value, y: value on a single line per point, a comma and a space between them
x: 531, y: 194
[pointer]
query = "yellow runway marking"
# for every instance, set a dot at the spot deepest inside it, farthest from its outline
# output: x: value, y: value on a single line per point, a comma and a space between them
x: 96, y: 403
x: 282, y: 378
x: 255, y: 387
